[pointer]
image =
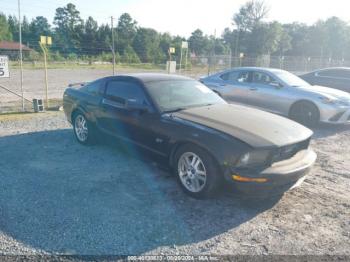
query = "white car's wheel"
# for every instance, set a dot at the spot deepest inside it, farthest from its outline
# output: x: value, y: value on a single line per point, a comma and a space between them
x: 305, y: 113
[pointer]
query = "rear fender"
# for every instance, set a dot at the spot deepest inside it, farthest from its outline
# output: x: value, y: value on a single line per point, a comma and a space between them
x: 80, y: 108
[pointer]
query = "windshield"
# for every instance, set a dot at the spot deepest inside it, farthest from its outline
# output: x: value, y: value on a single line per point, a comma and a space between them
x: 181, y: 94
x: 291, y: 79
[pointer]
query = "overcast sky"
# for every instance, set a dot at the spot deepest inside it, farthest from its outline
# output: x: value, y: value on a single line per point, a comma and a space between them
x: 181, y: 17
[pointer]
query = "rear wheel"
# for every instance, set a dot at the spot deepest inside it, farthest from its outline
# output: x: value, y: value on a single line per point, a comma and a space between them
x: 84, y: 131
x: 197, y: 172
x: 305, y: 113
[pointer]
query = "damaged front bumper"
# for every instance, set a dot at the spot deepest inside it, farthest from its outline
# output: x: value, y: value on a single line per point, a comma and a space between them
x: 277, y: 178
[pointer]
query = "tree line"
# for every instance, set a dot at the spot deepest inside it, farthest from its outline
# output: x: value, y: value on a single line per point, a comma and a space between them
x: 74, y: 37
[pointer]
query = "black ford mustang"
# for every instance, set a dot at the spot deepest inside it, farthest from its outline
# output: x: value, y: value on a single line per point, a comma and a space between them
x: 205, y: 140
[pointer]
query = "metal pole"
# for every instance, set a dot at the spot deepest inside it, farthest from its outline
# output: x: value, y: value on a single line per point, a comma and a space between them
x: 113, y: 50
x: 186, y: 59
x: 169, y: 62
x: 20, y: 51
x: 237, y: 49
x: 230, y: 57
x: 180, y: 60
x: 46, y: 82
x: 212, y: 55
x: 46, y: 77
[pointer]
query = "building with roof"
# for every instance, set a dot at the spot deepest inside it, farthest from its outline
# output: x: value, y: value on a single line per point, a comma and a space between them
x: 11, y: 49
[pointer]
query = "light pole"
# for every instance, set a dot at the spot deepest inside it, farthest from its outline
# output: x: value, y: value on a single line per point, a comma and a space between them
x: 20, y: 50
x: 46, y: 41
x: 113, y: 50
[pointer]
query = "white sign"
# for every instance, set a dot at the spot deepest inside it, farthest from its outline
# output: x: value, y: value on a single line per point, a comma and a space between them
x: 184, y: 45
x: 4, y: 66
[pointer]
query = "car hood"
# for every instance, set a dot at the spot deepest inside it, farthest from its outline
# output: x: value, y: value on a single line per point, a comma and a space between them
x: 252, y: 126
x: 328, y: 92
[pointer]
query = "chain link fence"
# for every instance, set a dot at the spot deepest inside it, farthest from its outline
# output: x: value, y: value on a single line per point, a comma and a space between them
x: 63, y: 73
x: 298, y: 65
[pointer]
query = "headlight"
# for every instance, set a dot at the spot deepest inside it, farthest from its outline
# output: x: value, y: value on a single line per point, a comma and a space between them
x: 253, y: 159
x: 327, y: 100
x: 331, y: 101
x: 342, y: 103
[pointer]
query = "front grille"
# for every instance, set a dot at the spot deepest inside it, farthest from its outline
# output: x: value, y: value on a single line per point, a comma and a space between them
x: 286, y: 152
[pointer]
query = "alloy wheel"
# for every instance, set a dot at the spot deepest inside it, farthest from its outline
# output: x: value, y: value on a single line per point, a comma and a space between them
x: 81, y: 128
x: 192, y: 172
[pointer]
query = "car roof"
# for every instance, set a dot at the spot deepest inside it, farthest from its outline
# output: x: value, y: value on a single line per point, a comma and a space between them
x: 267, y: 69
x: 251, y: 68
x: 333, y: 68
x: 154, y: 77
x: 328, y: 68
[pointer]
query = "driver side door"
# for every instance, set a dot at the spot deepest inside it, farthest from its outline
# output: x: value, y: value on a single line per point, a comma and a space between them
x: 234, y: 86
x: 266, y: 92
x: 129, y: 124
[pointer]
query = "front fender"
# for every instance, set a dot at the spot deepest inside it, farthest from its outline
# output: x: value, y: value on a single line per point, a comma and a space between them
x: 224, y: 148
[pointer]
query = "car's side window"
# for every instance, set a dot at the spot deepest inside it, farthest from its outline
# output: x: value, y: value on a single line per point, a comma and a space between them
x: 94, y: 87
x: 121, y: 91
x: 243, y: 77
x: 328, y: 73
x: 262, y: 78
x: 230, y: 76
x: 335, y: 73
x: 346, y: 74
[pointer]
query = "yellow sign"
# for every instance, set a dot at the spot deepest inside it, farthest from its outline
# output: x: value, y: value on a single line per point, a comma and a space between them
x: 49, y: 40
x: 45, y: 40
x: 172, y: 50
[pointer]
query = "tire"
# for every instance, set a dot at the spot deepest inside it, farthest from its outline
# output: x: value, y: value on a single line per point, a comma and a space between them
x: 200, y: 179
x: 84, y: 130
x: 305, y: 113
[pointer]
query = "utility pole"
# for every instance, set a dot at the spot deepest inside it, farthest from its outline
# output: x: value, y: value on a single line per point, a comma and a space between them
x: 180, y: 60
x: 113, y: 50
x: 212, y: 54
x: 230, y: 57
x: 20, y: 51
x: 186, y: 57
x: 46, y: 41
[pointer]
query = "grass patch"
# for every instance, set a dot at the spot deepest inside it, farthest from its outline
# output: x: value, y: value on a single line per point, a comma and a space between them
x: 18, y: 116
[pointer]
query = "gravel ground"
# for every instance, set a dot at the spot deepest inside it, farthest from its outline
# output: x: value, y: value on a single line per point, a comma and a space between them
x: 59, y: 197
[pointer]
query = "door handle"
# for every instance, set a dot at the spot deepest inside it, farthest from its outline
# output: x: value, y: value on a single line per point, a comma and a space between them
x: 106, y: 102
x: 253, y: 89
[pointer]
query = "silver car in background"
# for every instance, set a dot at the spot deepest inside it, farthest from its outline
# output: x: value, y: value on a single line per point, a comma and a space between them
x: 283, y: 93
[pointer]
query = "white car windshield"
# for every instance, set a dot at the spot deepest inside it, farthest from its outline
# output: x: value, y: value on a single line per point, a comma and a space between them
x: 290, y: 79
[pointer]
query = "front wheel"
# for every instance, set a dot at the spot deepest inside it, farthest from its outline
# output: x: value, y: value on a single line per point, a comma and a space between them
x: 197, y: 172
x: 305, y: 113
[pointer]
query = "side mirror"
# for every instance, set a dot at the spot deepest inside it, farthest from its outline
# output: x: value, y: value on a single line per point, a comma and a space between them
x: 135, y: 106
